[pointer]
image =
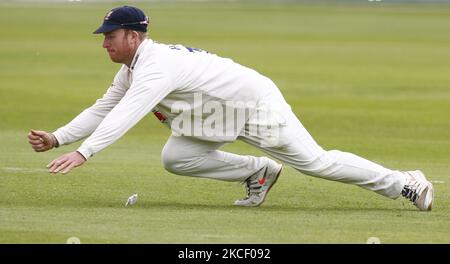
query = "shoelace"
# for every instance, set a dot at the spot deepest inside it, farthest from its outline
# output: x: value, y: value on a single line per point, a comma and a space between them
x: 409, y: 192
x: 253, y: 186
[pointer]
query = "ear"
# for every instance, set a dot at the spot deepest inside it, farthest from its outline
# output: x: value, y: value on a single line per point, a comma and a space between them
x: 135, y: 35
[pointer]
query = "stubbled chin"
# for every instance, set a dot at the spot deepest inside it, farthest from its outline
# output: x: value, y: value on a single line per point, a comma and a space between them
x: 114, y: 59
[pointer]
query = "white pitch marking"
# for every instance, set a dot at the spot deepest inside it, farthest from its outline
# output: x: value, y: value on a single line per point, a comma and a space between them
x: 17, y: 169
x: 437, y: 181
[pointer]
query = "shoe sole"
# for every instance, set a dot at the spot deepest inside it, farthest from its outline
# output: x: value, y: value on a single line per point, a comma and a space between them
x: 268, y: 189
x: 432, y: 198
x: 431, y: 190
x: 421, y: 175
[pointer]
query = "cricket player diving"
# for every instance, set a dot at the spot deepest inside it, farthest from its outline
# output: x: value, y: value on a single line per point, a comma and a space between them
x: 208, y: 101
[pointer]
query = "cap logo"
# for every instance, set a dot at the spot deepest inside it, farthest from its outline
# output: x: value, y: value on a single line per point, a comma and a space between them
x: 145, y: 22
x: 108, y: 15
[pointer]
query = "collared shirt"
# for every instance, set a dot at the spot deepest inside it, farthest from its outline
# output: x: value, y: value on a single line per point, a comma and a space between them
x: 136, y: 55
x: 180, y: 82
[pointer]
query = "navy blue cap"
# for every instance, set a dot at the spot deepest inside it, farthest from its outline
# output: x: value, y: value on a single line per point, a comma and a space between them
x: 127, y: 17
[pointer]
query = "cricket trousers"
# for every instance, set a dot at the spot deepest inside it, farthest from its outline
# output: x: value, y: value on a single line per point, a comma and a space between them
x: 293, y: 146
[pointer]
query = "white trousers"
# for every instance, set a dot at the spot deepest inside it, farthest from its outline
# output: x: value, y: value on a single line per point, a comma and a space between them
x: 193, y: 157
x: 293, y: 146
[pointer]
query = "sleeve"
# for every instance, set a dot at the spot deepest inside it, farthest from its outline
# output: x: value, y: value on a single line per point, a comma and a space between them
x: 87, y: 121
x: 149, y: 87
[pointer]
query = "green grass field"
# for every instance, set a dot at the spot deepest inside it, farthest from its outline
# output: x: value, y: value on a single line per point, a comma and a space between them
x: 365, y: 77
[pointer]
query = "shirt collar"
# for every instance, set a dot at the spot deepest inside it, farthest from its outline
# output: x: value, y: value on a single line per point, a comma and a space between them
x: 138, y: 52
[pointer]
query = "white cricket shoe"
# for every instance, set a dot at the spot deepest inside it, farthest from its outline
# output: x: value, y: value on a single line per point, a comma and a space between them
x: 259, y: 185
x: 418, y: 190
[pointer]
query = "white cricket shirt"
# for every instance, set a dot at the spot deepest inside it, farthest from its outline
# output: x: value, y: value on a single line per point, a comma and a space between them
x: 169, y: 77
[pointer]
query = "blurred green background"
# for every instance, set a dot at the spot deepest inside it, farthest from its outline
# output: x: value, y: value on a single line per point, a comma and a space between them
x: 371, y: 78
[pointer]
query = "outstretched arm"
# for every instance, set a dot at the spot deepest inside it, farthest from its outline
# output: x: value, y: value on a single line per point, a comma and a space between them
x: 80, y: 127
x: 147, y: 90
x: 87, y: 121
x: 149, y: 87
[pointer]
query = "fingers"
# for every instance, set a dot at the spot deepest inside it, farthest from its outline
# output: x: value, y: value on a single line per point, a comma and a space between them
x: 64, y: 165
x: 32, y: 136
x: 38, y: 145
x: 40, y: 148
x: 35, y: 141
x: 68, y: 168
x: 40, y: 140
x: 37, y: 133
x: 52, y: 166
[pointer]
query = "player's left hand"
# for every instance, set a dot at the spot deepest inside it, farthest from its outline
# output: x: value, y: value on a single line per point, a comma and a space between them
x: 66, y: 162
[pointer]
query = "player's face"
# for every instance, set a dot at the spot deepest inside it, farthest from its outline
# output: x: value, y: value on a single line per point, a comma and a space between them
x: 120, y: 45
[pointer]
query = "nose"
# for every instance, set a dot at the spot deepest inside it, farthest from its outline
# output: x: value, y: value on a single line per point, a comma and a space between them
x: 105, y: 43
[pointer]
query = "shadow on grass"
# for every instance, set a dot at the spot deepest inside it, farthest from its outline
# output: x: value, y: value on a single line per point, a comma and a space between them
x: 164, y: 205
x: 170, y: 205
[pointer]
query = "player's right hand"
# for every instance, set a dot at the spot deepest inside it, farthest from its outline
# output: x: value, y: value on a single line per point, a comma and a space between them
x: 41, y: 141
